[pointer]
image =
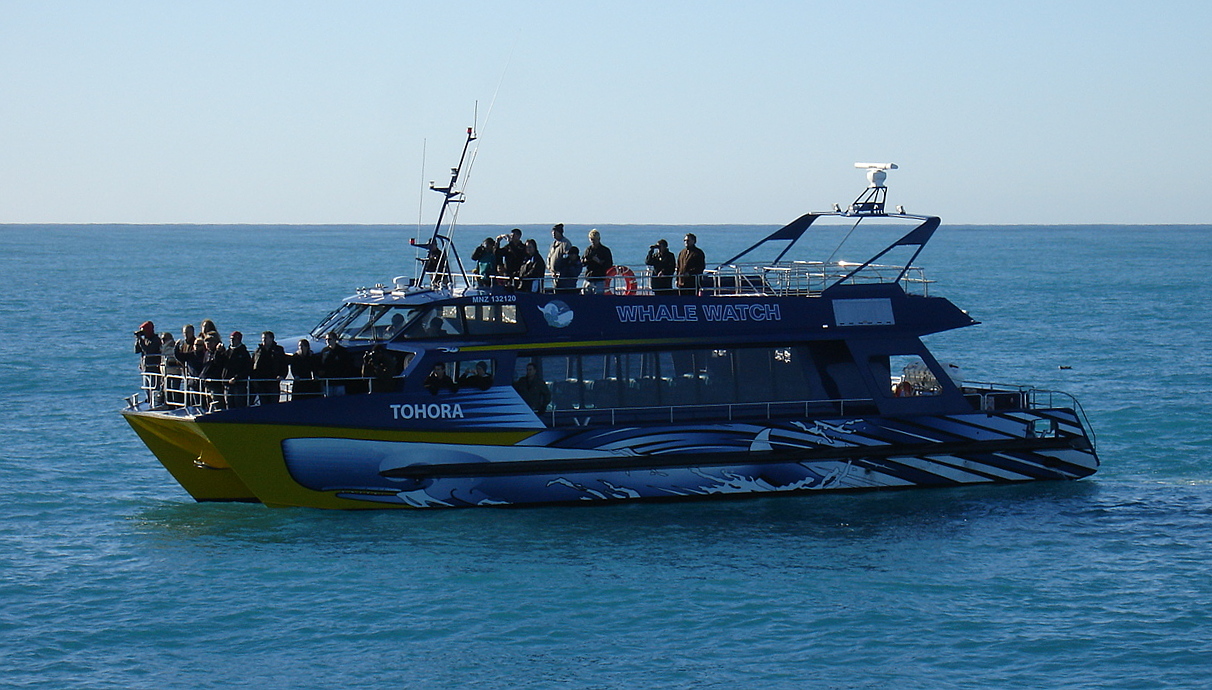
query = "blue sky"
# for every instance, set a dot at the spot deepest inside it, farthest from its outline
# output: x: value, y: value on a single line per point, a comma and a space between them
x: 620, y: 112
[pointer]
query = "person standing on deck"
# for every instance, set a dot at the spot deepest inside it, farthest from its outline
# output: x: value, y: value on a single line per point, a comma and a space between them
x: 598, y: 260
x: 530, y: 275
x: 664, y: 265
x: 147, y: 346
x: 512, y: 252
x: 691, y: 264
x: 568, y: 269
x: 559, y: 247
x: 236, y: 371
x: 269, y: 366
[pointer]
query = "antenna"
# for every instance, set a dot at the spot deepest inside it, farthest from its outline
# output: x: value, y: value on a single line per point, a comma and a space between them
x: 440, y: 249
x: 871, y: 201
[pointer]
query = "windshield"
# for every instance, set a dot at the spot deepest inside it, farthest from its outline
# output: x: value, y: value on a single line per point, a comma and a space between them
x: 378, y: 323
x: 335, y: 320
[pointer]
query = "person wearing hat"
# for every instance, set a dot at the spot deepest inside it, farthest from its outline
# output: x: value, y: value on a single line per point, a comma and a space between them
x: 664, y: 265
x: 147, y: 346
x: 559, y: 247
x: 236, y: 371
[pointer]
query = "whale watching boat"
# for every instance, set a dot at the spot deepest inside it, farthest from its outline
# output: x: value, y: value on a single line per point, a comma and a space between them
x: 782, y: 376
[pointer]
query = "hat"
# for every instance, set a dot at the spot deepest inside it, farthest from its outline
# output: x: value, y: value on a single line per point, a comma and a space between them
x: 148, y: 328
x: 237, y: 333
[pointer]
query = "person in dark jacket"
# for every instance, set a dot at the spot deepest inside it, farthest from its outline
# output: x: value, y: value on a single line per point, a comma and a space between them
x: 379, y: 365
x: 664, y: 265
x: 303, y: 366
x: 530, y: 276
x: 236, y: 371
x: 568, y: 269
x: 438, y: 379
x: 691, y: 264
x: 478, y: 377
x: 147, y: 346
x: 269, y: 367
x: 533, y: 389
x: 336, y: 365
x: 512, y: 253
x: 598, y: 260
x: 214, y: 360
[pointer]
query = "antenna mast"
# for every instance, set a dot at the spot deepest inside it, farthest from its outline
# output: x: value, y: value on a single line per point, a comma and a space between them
x: 440, y: 249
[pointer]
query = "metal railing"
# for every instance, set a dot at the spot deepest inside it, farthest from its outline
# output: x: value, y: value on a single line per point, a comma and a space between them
x: 807, y: 278
x: 713, y: 412
x: 1001, y: 396
x: 793, y: 278
x: 180, y: 391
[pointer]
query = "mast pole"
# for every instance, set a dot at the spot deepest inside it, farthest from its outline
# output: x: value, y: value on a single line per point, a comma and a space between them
x: 440, y: 248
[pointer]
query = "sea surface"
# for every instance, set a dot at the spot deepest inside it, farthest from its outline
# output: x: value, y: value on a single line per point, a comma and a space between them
x: 112, y: 577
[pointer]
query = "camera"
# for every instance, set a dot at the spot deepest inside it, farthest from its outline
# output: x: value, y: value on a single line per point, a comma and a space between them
x: 653, y: 246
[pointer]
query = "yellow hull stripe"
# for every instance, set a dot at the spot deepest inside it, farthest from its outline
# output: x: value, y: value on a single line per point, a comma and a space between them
x: 189, y: 457
x: 254, y: 451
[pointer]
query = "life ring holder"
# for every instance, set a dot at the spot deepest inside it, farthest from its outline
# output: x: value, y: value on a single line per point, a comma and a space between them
x: 629, y: 283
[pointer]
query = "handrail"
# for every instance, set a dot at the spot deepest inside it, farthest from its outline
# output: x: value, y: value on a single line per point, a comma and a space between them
x: 1032, y: 398
x: 793, y: 278
x: 714, y: 411
x: 180, y: 391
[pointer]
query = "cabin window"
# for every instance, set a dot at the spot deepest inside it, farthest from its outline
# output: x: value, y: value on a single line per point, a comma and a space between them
x: 491, y: 319
x: 676, y: 377
x: 907, y: 375
x: 438, y: 322
x: 475, y: 373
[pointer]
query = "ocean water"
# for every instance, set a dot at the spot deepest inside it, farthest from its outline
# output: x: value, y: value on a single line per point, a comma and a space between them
x: 111, y: 577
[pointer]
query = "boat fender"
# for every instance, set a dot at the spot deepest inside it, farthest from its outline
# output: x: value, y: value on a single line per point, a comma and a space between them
x: 628, y: 287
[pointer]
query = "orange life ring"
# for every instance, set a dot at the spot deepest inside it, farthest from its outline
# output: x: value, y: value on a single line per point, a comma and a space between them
x: 628, y: 277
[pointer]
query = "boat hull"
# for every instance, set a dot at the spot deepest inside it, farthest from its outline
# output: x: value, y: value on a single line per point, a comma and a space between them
x: 179, y: 444
x: 354, y: 468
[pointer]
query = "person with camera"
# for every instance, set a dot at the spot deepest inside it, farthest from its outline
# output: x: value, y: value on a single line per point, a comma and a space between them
x: 663, y: 264
x: 147, y: 346
x: 567, y: 268
x: 598, y: 260
x: 486, y: 260
x: 512, y: 253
